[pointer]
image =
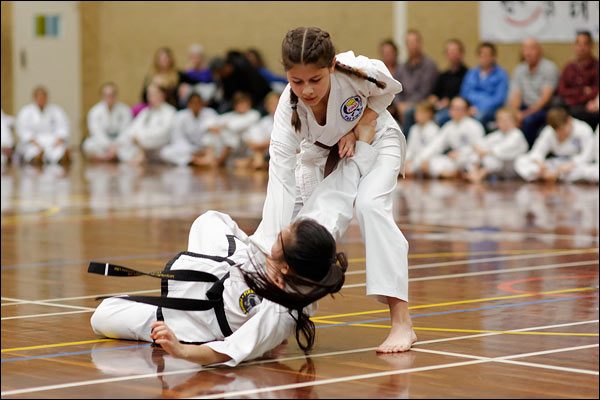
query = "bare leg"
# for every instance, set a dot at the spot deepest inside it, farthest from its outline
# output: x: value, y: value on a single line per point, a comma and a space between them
x: 402, y: 335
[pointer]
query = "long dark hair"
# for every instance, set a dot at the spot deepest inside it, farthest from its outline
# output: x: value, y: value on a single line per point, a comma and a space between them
x: 315, y: 270
x: 313, y: 46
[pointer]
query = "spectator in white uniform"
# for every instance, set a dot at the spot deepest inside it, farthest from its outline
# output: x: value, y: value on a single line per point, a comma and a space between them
x: 559, y: 143
x: 258, y: 137
x: 496, y: 152
x: 150, y: 131
x: 584, y: 167
x: 8, y: 141
x: 107, y: 120
x: 43, y: 130
x: 421, y: 135
x: 227, y: 131
x: 456, y: 136
x: 189, y: 132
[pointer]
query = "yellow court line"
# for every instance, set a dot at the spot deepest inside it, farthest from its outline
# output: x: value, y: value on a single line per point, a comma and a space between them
x: 47, y: 346
x: 453, y: 303
x: 321, y: 319
x: 463, y: 330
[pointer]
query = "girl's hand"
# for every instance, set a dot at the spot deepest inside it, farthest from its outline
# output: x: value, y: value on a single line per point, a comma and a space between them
x: 347, y: 144
x: 165, y: 337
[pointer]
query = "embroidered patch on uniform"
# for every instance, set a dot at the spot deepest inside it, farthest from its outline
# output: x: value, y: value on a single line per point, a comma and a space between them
x: 351, y: 108
x: 249, y: 300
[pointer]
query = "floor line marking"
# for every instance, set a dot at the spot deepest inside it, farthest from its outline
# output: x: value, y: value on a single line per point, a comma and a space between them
x: 47, y: 346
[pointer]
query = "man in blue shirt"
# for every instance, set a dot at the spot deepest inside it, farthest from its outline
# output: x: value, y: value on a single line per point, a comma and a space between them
x: 485, y: 87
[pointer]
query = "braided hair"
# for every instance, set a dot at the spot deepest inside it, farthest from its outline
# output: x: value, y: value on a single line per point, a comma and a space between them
x: 311, y: 45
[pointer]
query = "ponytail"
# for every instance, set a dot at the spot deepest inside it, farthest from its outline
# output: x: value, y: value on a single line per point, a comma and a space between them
x: 346, y: 69
x: 295, y: 117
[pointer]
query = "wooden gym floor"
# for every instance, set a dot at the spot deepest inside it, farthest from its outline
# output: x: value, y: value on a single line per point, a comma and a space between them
x: 503, y: 290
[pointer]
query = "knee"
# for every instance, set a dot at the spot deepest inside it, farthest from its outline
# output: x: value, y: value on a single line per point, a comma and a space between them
x: 367, y: 205
x: 100, y: 320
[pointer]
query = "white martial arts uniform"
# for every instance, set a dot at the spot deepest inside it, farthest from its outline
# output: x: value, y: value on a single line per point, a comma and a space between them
x: 547, y: 143
x: 454, y: 136
x: 419, y: 137
x: 45, y: 127
x: 586, y: 163
x: 105, y: 126
x: 503, y: 149
x: 292, y: 178
x: 258, y: 326
x: 261, y: 131
x: 234, y: 125
x: 8, y: 142
x: 189, y: 134
x: 152, y: 130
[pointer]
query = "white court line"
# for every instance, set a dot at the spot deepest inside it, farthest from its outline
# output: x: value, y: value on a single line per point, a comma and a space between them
x: 494, y: 272
x: 20, y: 301
x: 92, y: 296
x: 482, y: 260
x: 508, y: 359
x: 321, y: 382
x: 282, y: 359
x: 356, y: 285
x: 47, y: 314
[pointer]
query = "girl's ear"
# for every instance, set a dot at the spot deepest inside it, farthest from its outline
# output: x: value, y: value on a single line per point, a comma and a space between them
x: 284, y: 269
x: 332, y: 67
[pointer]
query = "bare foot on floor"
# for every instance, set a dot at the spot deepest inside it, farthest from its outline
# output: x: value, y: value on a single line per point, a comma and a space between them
x: 400, y: 339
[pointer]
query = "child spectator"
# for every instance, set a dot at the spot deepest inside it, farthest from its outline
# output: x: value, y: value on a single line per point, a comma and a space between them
x: 107, y: 120
x: 558, y: 144
x: 277, y: 82
x: 150, y: 130
x: 258, y: 137
x: 226, y: 133
x: 457, y: 136
x: 190, y: 128
x: 421, y: 135
x: 43, y: 131
x: 8, y: 142
x: 496, y: 152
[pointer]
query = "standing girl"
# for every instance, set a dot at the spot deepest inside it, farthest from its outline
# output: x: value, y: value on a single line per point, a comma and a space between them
x: 330, y: 100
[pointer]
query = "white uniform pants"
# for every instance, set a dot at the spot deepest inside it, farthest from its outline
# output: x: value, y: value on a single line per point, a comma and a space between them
x: 441, y: 163
x: 528, y: 168
x: 52, y: 152
x: 93, y: 147
x: 386, y: 246
x: 178, y: 153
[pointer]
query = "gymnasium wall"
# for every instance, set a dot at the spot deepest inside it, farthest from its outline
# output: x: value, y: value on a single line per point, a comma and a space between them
x: 118, y: 39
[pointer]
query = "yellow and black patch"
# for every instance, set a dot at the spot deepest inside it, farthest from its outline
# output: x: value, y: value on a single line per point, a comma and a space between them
x: 249, y: 300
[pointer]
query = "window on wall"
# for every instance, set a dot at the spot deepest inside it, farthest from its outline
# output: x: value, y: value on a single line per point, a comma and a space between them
x: 47, y: 26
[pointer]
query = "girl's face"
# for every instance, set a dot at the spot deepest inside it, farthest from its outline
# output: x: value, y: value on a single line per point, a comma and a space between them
x: 276, y: 265
x: 564, y: 131
x: 164, y: 61
x: 422, y: 116
x: 310, y: 83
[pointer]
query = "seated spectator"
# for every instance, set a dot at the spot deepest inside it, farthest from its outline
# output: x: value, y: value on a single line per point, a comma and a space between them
x: 277, y: 82
x: 388, y: 53
x: 236, y: 74
x: 258, y: 137
x: 559, y: 143
x: 43, y: 131
x: 421, y: 135
x: 418, y: 77
x: 448, y: 83
x: 532, y: 87
x: 584, y: 167
x: 496, y: 152
x: 190, y: 128
x: 456, y: 137
x: 196, y: 71
x: 578, y: 84
x: 8, y: 141
x: 107, y: 120
x: 165, y: 74
x: 226, y: 133
x: 150, y: 131
x: 485, y: 87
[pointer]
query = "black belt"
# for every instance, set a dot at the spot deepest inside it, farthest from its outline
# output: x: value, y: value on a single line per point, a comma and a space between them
x: 214, y: 295
x: 332, y: 159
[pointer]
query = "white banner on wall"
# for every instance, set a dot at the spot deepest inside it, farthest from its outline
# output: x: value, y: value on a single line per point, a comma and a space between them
x: 548, y: 21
